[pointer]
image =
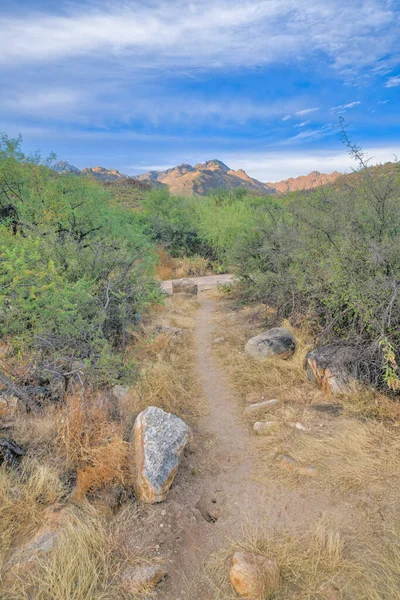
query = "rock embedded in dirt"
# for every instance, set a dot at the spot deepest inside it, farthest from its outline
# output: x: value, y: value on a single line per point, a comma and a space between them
x: 274, y: 342
x: 184, y: 286
x: 254, y: 576
x: 332, y: 368
x: 141, y: 579
x: 264, y: 427
x: 219, y: 340
x: 159, y: 439
x: 264, y: 406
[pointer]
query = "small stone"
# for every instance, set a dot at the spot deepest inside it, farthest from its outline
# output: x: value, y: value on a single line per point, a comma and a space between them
x: 254, y: 576
x: 286, y: 461
x: 300, y: 426
x: 163, y: 513
x: 219, y: 340
x: 139, y: 579
x: 254, y: 398
x: 265, y: 405
x: 262, y: 427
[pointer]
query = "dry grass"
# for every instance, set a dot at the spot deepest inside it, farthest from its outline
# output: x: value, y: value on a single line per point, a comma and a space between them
x: 166, y: 364
x: 176, y: 268
x: 85, y: 563
x: 328, y: 562
x: 23, y: 499
x: 92, y: 444
x: 283, y: 379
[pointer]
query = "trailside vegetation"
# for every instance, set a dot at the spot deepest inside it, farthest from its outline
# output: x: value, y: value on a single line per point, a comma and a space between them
x: 76, y: 271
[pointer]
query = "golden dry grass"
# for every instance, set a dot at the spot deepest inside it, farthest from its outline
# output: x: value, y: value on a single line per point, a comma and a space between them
x: 326, y: 562
x: 23, y: 499
x: 85, y: 563
x: 166, y: 364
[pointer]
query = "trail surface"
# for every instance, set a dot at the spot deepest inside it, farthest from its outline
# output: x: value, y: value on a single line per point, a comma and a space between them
x: 223, y: 502
x: 207, y: 281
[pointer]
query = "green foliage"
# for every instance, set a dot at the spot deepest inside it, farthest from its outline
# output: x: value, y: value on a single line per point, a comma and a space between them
x: 171, y: 222
x: 76, y: 272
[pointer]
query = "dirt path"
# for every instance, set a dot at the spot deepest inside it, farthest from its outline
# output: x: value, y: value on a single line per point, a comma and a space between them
x: 224, y: 502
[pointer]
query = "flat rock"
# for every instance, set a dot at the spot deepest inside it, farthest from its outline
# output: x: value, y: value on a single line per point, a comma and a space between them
x: 184, y: 286
x: 264, y: 406
x: 274, y: 342
x: 139, y: 579
x: 254, y: 576
x: 159, y: 439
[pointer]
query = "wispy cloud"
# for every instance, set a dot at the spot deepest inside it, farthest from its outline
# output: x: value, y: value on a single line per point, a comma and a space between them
x: 287, y: 118
x: 206, y: 33
x: 310, y: 134
x: 303, y: 124
x: 393, y: 82
x: 344, y: 107
x: 306, y: 111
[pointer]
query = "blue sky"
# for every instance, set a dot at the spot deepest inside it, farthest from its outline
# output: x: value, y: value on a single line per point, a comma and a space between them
x: 139, y: 85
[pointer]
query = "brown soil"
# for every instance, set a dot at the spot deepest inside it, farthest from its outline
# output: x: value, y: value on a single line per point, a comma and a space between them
x: 216, y: 499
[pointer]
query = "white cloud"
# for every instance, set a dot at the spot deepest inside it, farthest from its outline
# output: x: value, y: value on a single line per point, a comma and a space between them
x: 311, y: 134
x: 274, y: 166
x: 303, y: 124
x: 393, y: 82
x: 207, y: 33
x: 306, y: 111
x: 287, y: 118
x: 343, y: 107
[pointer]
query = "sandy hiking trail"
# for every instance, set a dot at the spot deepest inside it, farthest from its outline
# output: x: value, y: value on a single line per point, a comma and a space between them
x: 223, y: 503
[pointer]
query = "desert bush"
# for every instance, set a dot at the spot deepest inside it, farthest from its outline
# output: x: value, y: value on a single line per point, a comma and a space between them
x: 76, y: 272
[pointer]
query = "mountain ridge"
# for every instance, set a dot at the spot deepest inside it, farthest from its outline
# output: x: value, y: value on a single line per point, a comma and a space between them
x: 203, y: 178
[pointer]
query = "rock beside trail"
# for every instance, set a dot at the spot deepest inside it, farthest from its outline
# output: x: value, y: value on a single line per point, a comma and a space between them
x: 274, y: 342
x: 184, y: 286
x: 159, y: 439
x: 140, y: 579
x: 264, y: 406
x: 264, y: 427
x: 254, y: 576
x: 332, y: 367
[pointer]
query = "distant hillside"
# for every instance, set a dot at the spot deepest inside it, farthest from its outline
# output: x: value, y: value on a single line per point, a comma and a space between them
x: 203, y: 178
x: 304, y: 182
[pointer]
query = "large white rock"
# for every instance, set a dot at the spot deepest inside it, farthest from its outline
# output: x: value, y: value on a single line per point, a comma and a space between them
x: 159, y: 439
